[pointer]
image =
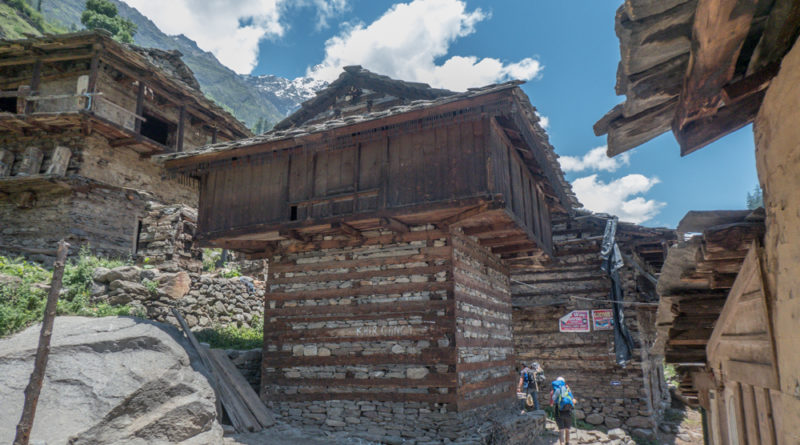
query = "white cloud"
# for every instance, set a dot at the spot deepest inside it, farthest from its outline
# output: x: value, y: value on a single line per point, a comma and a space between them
x: 595, y: 159
x: 544, y: 121
x: 406, y: 42
x: 617, y: 197
x: 230, y: 29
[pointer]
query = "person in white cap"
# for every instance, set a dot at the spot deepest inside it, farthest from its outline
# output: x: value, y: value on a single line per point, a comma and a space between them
x: 563, y: 402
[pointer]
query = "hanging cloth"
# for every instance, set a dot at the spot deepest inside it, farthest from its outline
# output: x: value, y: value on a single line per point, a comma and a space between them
x: 612, y: 263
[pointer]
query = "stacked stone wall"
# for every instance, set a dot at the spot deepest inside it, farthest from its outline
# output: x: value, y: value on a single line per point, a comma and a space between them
x: 166, y: 239
x: 205, y: 301
x: 99, y: 200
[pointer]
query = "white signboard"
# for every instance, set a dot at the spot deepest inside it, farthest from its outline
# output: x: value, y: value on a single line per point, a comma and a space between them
x: 575, y: 321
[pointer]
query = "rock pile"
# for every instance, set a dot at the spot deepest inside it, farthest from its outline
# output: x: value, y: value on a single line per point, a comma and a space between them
x: 110, y: 380
x: 205, y: 300
x: 167, y: 238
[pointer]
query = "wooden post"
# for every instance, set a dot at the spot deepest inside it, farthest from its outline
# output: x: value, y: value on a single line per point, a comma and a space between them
x: 35, y: 81
x: 6, y: 162
x: 139, y: 107
x: 94, y: 69
x: 34, y: 387
x: 214, y: 136
x: 181, y: 124
x: 60, y: 161
x: 31, y: 162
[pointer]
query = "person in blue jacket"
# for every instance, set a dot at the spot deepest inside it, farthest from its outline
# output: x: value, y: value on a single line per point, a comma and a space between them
x: 563, y: 402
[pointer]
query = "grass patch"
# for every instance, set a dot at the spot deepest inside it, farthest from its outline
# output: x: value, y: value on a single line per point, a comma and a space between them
x: 670, y: 374
x: 234, y: 337
x: 22, y: 302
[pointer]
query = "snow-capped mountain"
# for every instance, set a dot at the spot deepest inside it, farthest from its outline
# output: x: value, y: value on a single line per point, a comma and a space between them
x: 285, y: 94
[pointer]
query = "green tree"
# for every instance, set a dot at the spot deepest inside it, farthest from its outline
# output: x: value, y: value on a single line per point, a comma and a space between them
x: 755, y: 199
x: 102, y: 14
x: 259, y: 127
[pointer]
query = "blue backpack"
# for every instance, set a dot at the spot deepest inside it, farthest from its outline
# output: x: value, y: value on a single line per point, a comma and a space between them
x: 562, y: 396
x: 527, y: 378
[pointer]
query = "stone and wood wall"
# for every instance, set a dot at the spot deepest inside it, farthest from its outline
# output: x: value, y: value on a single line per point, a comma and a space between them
x: 78, y: 188
x: 631, y: 397
x: 407, y: 335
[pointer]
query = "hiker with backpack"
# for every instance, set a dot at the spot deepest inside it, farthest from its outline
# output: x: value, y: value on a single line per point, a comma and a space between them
x: 563, y: 402
x: 529, y: 379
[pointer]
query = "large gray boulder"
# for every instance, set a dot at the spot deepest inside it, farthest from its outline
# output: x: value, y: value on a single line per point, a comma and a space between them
x: 109, y: 380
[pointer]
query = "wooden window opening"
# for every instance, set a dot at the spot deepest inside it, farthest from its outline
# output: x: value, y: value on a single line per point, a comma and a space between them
x: 156, y: 129
x: 8, y: 104
x: 136, y: 236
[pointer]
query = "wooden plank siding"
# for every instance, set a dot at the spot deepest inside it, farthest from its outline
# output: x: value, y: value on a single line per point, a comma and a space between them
x: 741, y: 354
x: 454, y: 165
x: 522, y: 192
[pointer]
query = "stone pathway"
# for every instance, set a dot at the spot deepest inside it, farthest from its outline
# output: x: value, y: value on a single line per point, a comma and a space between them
x: 681, y: 426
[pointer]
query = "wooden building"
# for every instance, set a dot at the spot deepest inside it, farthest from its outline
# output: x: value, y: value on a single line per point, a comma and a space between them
x: 704, y: 69
x: 80, y: 116
x: 714, y: 326
x: 545, y: 290
x: 387, y: 211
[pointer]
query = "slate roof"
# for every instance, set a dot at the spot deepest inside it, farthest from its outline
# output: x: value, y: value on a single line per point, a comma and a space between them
x: 356, y: 76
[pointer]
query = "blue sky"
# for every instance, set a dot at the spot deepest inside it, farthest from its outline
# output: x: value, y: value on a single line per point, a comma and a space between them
x: 567, y: 49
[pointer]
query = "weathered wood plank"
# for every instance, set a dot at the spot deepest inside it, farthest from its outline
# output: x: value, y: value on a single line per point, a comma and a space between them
x: 348, y: 310
x: 242, y: 388
x: 655, y: 39
x: 365, y: 290
x: 425, y: 254
x: 31, y: 162
x: 321, y: 278
x: 6, y: 162
x: 59, y: 161
x: 426, y: 357
x: 698, y: 133
x: 720, y: 28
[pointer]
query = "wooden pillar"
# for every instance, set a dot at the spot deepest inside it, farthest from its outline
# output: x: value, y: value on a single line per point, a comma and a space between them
x: 23, y: 91
x: 214, y: 136
x: 94, y: 70
x: 181, y: 124
x: 60, y: 161
x: 31, y: 162
x: 139, y: 107
x: 6, y: 162
x: 35, y: 81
